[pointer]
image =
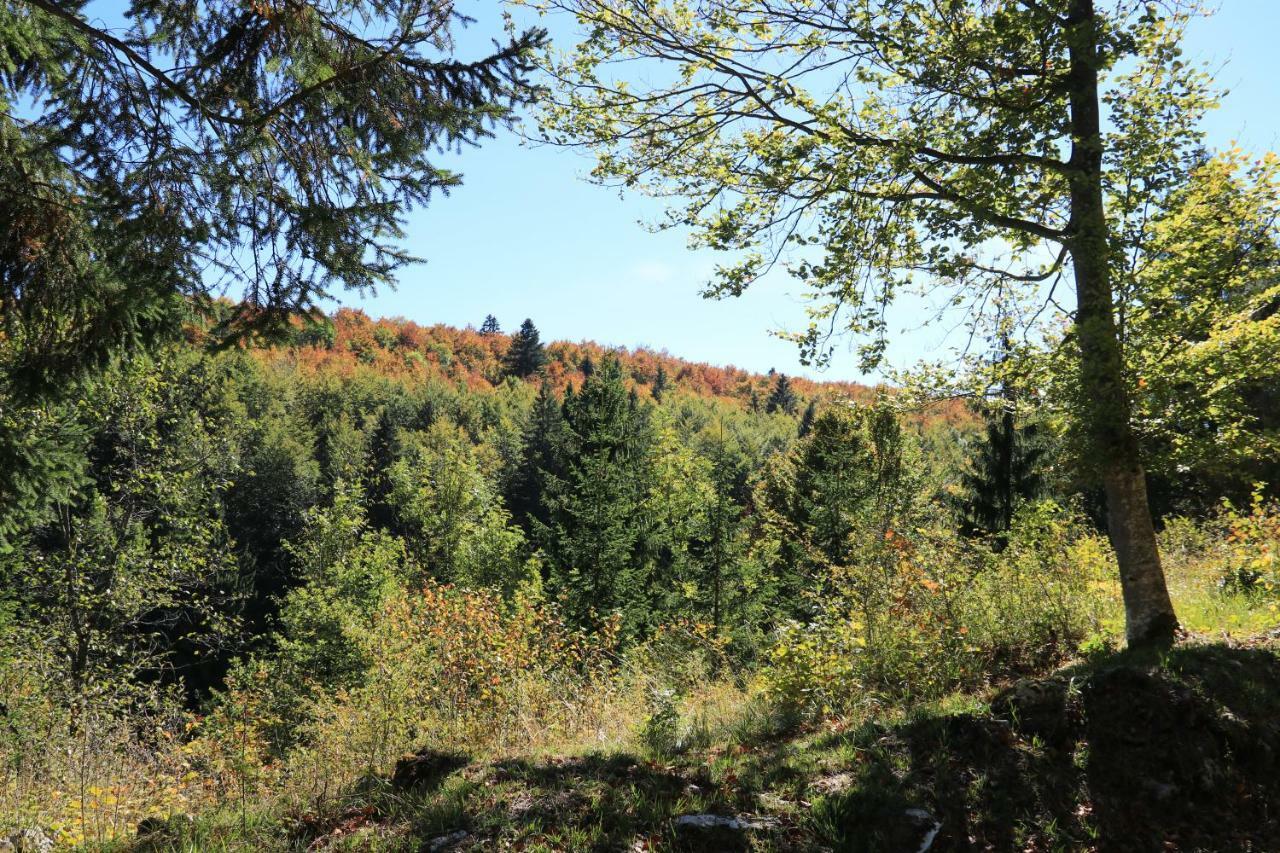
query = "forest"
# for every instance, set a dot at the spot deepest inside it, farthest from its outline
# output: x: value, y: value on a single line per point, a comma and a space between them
x: 279, y: 575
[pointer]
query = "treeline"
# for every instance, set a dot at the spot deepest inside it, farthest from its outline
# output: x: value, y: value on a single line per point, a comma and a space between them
x: 350, y: 342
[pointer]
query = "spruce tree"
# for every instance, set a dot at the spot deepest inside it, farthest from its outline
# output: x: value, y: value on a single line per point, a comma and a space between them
x: 1002, y: 473
x: 542, y: 459
x: 594, y: 533
x: 782, y: 398
x: 806, y: 420
x: 220, y: 145
x: 1004, y: 469
x: 490, y: 325
x: 525, y: 356
x: 721, y: 545
x: 660, y: 382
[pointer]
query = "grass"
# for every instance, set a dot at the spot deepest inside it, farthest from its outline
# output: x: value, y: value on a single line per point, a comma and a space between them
x: 1077, y: 760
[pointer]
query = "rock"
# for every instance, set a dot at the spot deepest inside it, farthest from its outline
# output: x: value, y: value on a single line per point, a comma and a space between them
x: 1038, y: 708
x: 929, y: 826
x: 448, y: 842
x: 833, y: 784
x: 710, y: 821
x: 716, y: 832
x: 28, y: 841
x: 426, y: 769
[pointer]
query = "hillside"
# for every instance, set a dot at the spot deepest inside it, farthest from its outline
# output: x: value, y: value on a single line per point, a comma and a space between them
x: 351, y: 342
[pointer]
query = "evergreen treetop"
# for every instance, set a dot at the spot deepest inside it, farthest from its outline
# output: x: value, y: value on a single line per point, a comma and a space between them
x: 782, y: 398
x: 526, y: 355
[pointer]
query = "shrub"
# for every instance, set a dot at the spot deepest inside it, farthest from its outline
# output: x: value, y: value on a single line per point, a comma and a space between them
x: 456, y: 670
x: 923, y: 613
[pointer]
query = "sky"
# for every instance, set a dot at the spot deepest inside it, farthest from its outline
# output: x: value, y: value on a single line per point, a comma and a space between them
x: 526, y: 235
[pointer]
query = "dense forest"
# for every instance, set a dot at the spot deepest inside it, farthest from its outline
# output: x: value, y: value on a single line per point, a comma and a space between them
x: 282, y: 577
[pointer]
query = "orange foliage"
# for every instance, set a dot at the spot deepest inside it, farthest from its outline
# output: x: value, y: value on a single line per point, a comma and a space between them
x: 404, y: 350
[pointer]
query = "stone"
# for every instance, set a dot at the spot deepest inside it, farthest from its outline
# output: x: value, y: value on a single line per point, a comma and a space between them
x: 448, y: 842
x: 29, y: 840
x: 928, y: 826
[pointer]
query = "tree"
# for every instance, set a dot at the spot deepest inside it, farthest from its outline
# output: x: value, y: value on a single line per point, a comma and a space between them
x: 721, y: 545
x: 829, y: 505
x: 525, y: 356
x: 137, y: 577
x: 273, y: 148
x: 954, y: 144
x: 782, y: 398
x: 1004, y: 469
x: 460, y: 532
x: 199, y: 149
x: 594, y: 537
x: 660, y: 384
x: 490, y: 325
x: 806, y: 420
x: 1201, y: 327
x: 542, y: 456
x: 1002, y: 473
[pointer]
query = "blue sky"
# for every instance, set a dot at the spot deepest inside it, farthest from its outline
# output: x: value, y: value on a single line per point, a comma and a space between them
x: 528, y: 236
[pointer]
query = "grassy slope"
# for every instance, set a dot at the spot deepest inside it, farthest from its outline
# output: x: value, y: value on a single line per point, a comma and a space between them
x: 1118, y: 753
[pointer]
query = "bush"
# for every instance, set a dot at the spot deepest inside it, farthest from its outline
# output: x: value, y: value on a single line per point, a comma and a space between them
x: 924, y: 613
x: 452, y: 669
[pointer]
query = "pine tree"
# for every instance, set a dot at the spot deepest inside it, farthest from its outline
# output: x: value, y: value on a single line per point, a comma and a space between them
x: 490, y: 325
x: 806, y: 420
x: 1002, y: 473
x: 660, y: 382
x: 782, y: 398
x: 594, y: 533
x: 541, y: 460
x: 525, y: 356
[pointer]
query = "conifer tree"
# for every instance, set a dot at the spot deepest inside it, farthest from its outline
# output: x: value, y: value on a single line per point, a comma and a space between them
x: 782, y: 398
x: 832, y: 501
x: 542, y: 459
x: 219, y: 145
x: 594, y: 533
x: 721, y: 546
x: 806, y: 420
x: 1002, y: 473
x: 526, y: 355
x: 1004, y: 468
x: 660, y: 382
x: 490, y: 325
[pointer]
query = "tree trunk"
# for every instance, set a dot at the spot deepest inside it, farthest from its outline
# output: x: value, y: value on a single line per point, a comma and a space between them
x: 1149, y: 616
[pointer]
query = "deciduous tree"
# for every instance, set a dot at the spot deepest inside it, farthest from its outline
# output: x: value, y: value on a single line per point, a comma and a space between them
x: 881, y: 144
